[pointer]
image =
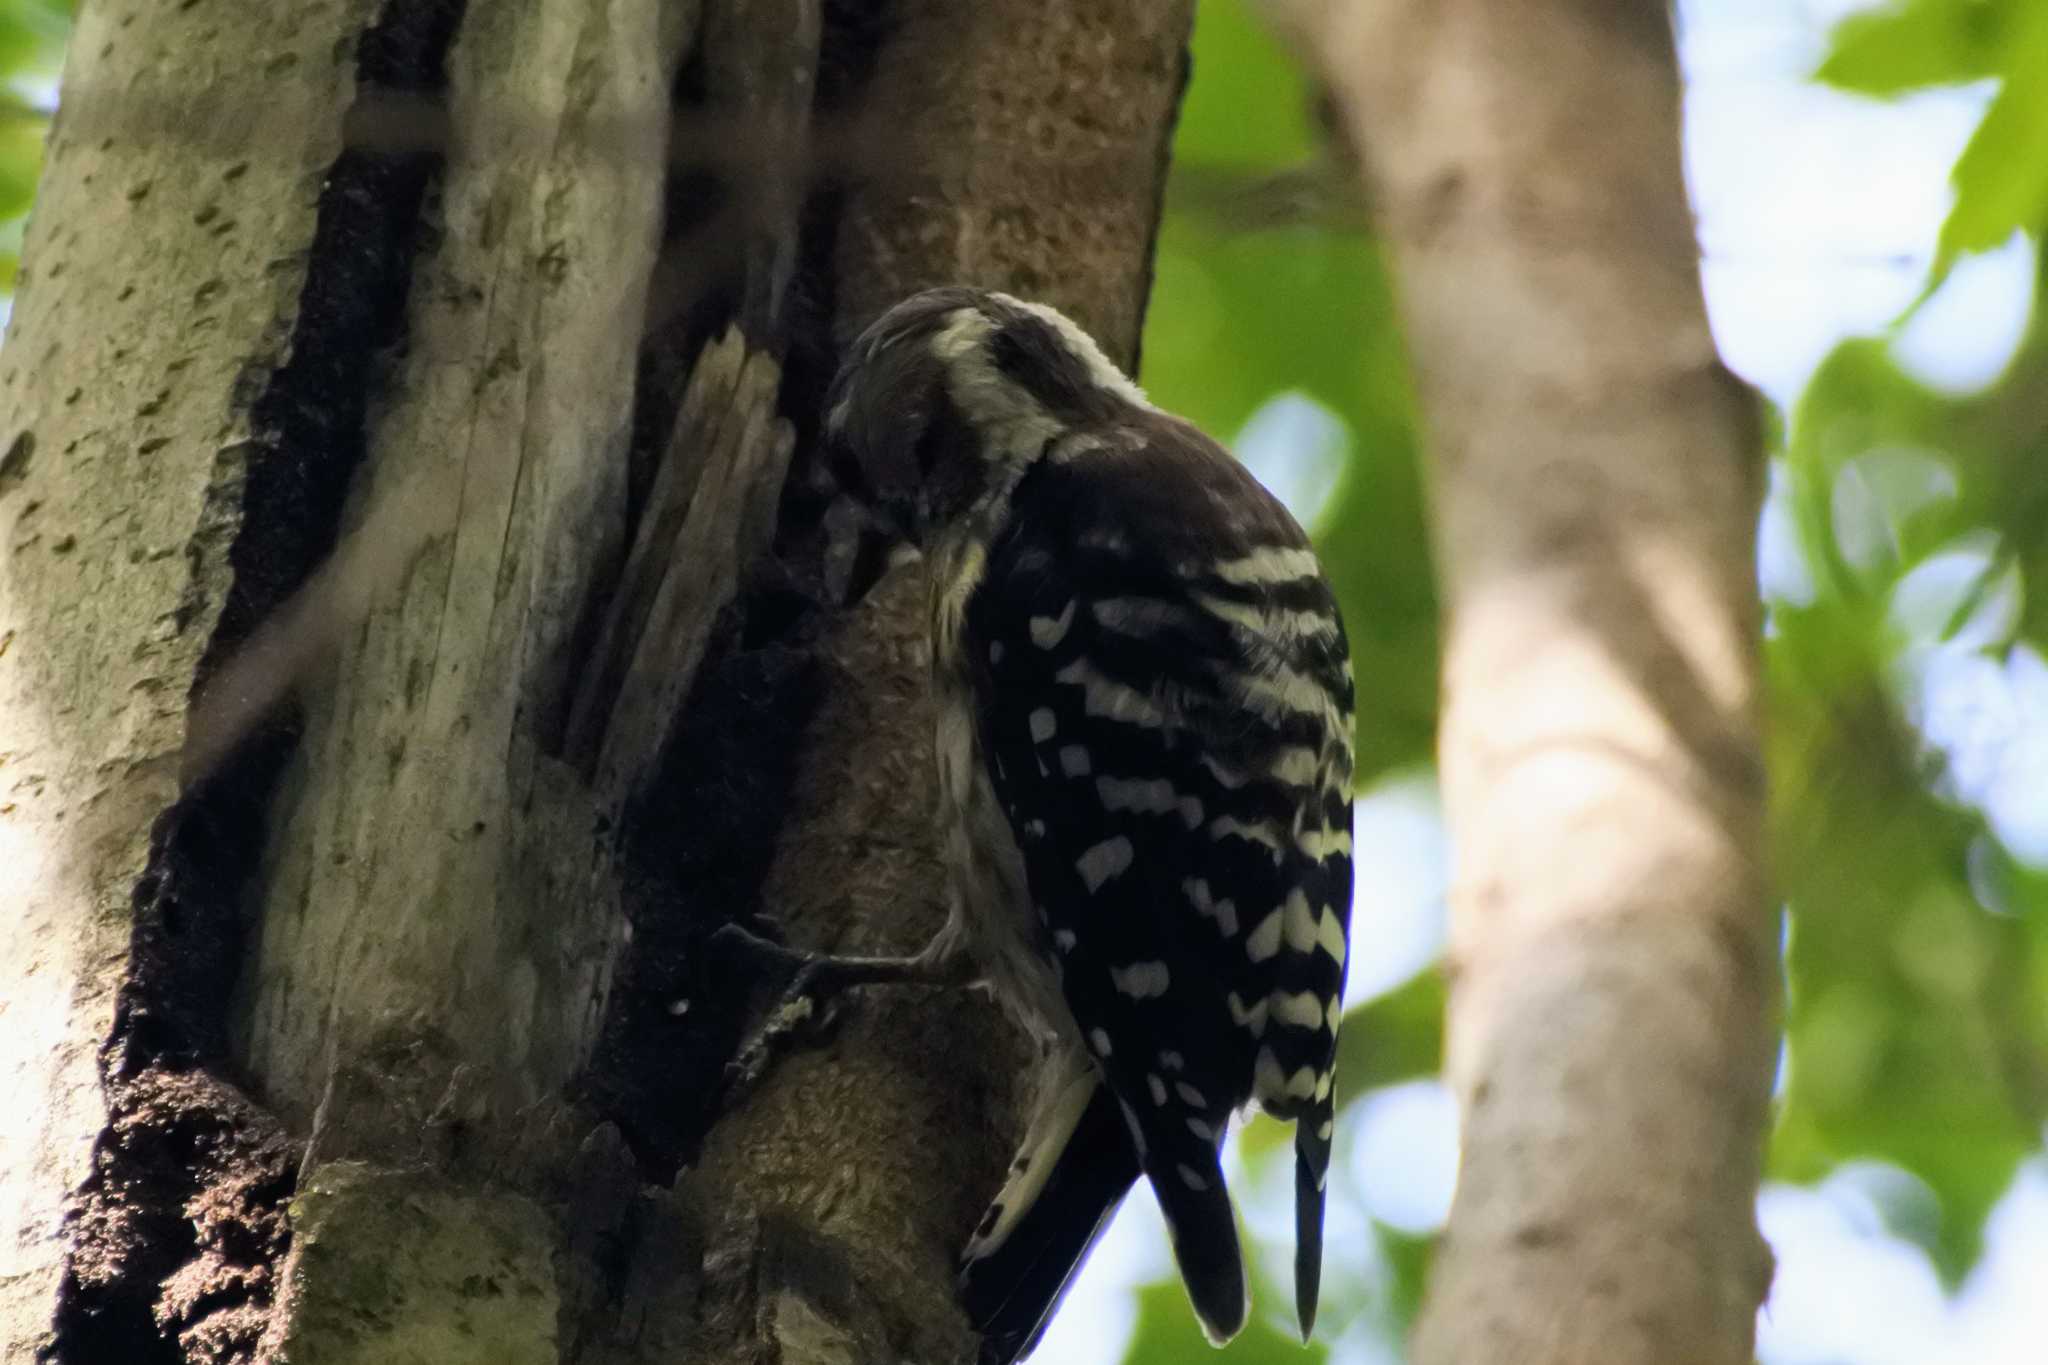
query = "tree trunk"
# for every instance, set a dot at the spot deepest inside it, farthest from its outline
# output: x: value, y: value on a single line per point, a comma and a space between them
x: 1596, y: 478
x: 359, y: 1006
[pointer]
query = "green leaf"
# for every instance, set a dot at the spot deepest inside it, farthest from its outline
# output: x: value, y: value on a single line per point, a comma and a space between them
x: 1397, y: 1037
x: 1168, y: 1333
x: 21, y: 161
x: 1238, y: 317
x: 1247, y: 103
x: 2001, y: 179
x: 1914, y: 1022
x: 1408, y: 1261
x: 1920, y: 43
x: 32, y: 34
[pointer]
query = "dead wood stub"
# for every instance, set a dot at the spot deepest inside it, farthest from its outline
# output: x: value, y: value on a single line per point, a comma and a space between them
x: 698, y: 845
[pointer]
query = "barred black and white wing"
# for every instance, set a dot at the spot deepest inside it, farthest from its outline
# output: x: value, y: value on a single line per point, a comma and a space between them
x: 1164, y: 703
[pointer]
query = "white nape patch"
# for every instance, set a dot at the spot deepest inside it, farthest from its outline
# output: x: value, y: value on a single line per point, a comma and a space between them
x: 1322, y: 843
x: 1107, y: 859
x: 1253, y: 1020
x: 1147, y: 796
x: 995, y: 652
x: 1172, y: 1061
x: 1048, y: 631
x: 1044, y: 725
x: 1264, y: 941
x: 1297, y: 765
x: 1203, y: 1130
x: 1081, y: 344
x: 1190, y: 1096
x: 1303, y: 1009
x: 1099, y: 1040
x: 1064, y: 940
x: 1270, y: 565
x: 1330, y: 934
x: 1301, y: 922
x: 1105, y: 697
x: 1191, y: 1178
x: 1074, y: 761
x: 1016, y: 425
x: 1229, y: 778
x: 1157, y: 1087
x: 1224, y: 912
x: 1258, y: 832
x: 1141, y: 980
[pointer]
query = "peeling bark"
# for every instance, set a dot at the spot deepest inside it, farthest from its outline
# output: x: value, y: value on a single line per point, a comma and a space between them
x: 1595, y: 477
x: 523, y: 312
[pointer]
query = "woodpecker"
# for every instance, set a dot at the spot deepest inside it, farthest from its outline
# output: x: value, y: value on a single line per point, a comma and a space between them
x: 1144, y: 725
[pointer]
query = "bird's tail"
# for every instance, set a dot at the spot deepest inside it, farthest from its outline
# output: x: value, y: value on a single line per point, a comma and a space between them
x: 1312, y: 1131
x: 1202, y: 1226
x: 1074, y: 1169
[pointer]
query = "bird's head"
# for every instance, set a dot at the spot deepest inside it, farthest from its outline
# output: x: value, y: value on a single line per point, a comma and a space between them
x: 951, y: 394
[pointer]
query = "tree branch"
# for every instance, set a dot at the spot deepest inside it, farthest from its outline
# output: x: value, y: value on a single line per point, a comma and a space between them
x: 1596, y: 478
x: 852, y: 1175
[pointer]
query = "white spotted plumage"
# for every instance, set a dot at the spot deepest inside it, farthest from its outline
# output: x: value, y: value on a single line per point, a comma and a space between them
x: 1145, y: 755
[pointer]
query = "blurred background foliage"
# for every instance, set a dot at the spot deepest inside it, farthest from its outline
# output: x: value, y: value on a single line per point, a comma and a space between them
x: 1905, y: 575
x: 32, y: 36
x: 1904, y: 570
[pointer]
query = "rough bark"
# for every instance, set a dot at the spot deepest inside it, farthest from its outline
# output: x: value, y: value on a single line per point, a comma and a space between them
x: 167, y: 281
x: 1037, y: 133
x: 1595, y: 478
x: 408, y: 1025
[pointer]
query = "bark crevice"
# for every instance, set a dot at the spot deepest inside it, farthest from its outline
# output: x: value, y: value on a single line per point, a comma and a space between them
x: 179, y: 1227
